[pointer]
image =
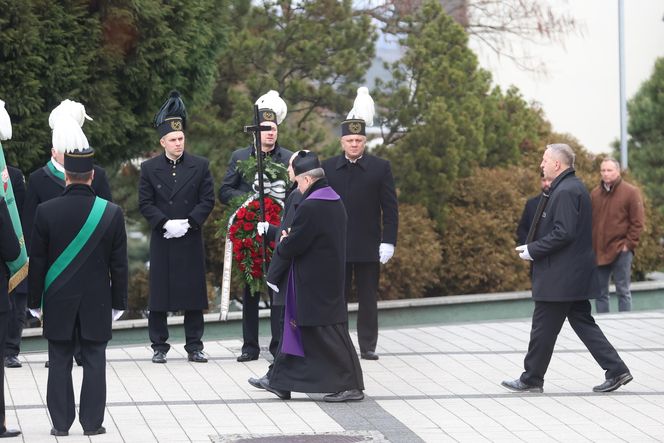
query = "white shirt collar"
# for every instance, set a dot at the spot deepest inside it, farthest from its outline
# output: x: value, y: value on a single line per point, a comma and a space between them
x: 57, y: 165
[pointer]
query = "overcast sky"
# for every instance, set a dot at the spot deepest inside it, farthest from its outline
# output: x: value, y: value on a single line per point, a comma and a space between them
x: 580, y: 92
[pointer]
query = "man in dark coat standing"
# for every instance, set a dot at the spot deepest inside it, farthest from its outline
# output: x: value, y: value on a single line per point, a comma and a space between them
x: 18, y: 299
x: 366, y: 186
x: 316, y: 352
x: 48, y: 182
x: 176, y: 195
x: 78, y: 278
x: 564, y: 278
x: 9, y: 251
x: 234, y: 185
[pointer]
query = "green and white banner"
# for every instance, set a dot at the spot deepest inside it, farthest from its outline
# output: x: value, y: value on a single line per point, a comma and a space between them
x: 18, y: 268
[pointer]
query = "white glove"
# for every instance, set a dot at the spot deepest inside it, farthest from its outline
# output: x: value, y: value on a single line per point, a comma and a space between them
x: 176, y: 228
x: 116, y: 313
x: 523, y: 252
x: 261, y: 227
x: 37, y: 312
x: 272, y: 286
x: 385, y: 252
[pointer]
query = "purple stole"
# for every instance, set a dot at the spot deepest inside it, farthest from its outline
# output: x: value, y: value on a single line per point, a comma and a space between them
x: 291, y: 340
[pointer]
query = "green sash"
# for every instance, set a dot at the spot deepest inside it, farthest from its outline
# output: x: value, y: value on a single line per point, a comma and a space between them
x: 73, y: 248
x: 54, y: 170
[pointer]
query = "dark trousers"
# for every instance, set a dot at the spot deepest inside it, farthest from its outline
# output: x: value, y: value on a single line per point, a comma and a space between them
x: 250, y: 344
x: 365, y: 275
x: 276, y: 326
x: 193, y: 330
x: 4, y: 316
x: 60, y: 389
x: 17, y: 305
x: 548, y: 319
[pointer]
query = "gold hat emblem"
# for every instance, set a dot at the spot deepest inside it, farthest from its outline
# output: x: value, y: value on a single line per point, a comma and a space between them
x: 355, y: 127
x: 268, y: 116
x: 176, y: 125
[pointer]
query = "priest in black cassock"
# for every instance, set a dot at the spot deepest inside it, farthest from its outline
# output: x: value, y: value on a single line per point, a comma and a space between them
x: 316, y: 353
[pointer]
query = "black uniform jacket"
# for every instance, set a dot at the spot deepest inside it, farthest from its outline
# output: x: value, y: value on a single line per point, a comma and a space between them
x: 9, y: 251
x: 527, y: 219
x: 564, y: 267
x: 278, y: 270
x: 177, y: 265
x: 367, y: 190
x: 233, y: 184
x: 94, y: 285
x: 43, y: 186
x: 317, y: 246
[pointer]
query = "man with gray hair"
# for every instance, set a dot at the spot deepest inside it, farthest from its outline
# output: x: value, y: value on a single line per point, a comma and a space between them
x: 618, y: 220
x: 564, y: 277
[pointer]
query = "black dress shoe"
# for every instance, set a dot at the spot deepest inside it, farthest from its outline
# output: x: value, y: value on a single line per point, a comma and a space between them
x: 159, y: 357
x: 519, y: 386
x: 611, y: 384
x: 247, y: 357
x: 256, y: 382
x: 265, y: 384
x: 197, y: 357
x: 11, y: 361
x: 10, y: 433
x: 99, y: 430
x: 369, y: 355
x: 59, y: 433
x: 350, y: 395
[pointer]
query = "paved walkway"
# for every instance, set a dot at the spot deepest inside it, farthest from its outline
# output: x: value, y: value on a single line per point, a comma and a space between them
x: 435, y: 383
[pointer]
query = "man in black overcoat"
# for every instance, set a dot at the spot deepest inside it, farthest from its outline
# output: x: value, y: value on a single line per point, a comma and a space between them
x: 18, y: 299
x: 48, y: 182
x: 529, y: 212
x: 9, y: 251
x: 78, y: 281
x: 564, y: 278
x: 176, y: 195
x: 366, y: 186
x: 234, y: 185
x: 316, y: 353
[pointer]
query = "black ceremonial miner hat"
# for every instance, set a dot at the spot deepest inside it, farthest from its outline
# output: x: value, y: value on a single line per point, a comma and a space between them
x: 304, y: 162
x: 172, y: 116
x: 79, y: 160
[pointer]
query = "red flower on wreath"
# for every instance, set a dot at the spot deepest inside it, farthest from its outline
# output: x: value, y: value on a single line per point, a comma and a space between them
x: 248, y: 245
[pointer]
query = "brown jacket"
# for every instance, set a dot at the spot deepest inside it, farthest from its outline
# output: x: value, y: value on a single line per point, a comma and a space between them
x: 618, y: 220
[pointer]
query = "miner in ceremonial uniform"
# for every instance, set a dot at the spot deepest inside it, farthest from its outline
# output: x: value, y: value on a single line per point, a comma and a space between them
x: 272, y: 111
x: 366, y: 186
x: 316, y: 353
x: 78, y: 283
x: 176, y: 196
x: 10, y: 250
x: 48, y: 181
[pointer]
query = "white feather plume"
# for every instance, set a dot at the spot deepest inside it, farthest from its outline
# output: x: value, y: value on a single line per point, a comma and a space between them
x: 68, y: 135
x: 5, y: 123
x: 363, y: 106
x: 69, y: 108
x: 271, y: 100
